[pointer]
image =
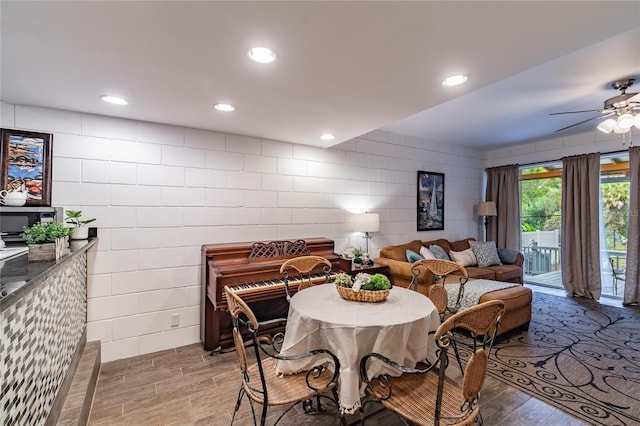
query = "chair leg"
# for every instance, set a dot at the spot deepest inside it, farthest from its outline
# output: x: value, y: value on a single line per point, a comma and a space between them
x: 237, y: 407
x: 455, y: 350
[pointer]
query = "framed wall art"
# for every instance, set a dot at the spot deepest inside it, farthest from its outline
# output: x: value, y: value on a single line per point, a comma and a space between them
x: 430, y: 201
x: 26, y: 165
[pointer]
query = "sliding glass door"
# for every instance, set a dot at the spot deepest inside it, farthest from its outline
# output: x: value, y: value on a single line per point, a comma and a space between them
x: 614, y: 195
x: 541, y: 195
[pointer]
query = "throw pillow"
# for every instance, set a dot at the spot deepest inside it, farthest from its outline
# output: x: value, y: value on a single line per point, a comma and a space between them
x: 412, y: 256
x: 464, y: 258
x: 439, y: 252
x: 486, y: 254
x: 426, y: 253
x: 508, y: 256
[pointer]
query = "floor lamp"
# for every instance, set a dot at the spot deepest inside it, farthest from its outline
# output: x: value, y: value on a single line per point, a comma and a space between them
x: 487, y: 208
x: 366, y: 222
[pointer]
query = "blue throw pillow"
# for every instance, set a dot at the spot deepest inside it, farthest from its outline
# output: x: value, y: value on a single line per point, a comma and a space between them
x: 508, y: 256
x: 439, y: 252
x: 412, y: 256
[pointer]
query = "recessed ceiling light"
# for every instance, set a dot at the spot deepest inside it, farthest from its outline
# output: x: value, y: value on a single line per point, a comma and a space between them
x: 114, y: 100
x: 224, y: 107
x: 327, y: 137
x: 454, y: 80
x: 263, y: 55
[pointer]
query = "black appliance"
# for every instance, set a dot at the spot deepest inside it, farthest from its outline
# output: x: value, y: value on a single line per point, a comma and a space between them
x: 14, y: 219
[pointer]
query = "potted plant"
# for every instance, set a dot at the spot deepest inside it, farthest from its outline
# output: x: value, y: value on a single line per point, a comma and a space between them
x: 47, y: 241
x: 79, y: 230
x: 357, y: 258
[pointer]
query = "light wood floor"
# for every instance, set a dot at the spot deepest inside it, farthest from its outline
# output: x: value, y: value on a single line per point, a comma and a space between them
x: 186, y: 386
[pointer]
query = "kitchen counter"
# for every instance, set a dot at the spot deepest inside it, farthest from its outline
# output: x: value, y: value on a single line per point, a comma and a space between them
x: 18, y: 276
x: 43, y: 318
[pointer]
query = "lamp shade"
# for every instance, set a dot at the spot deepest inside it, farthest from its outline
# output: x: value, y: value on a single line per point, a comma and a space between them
x: 366, y: 222
x: 626, y: 121
x: 487, y: 208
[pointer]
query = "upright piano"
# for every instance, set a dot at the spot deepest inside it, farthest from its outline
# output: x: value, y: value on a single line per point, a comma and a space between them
x: 251, y: 269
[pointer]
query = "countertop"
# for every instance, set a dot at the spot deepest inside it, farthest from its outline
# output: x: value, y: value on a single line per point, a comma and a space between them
x: 18, y: 275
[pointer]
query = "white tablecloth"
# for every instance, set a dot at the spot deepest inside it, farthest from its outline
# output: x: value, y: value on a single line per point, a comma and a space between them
x: 397, y: 328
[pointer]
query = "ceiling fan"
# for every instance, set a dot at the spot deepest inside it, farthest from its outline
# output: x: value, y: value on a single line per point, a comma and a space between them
x: 623, y: 110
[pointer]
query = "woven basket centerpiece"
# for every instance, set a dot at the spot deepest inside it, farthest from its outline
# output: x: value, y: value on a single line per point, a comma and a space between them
x: 345, y: 287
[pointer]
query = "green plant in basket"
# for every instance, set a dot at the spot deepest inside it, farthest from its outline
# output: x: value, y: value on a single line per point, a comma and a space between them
x: 42, y: 233
x: 343, y: 280
x: 377, y: 282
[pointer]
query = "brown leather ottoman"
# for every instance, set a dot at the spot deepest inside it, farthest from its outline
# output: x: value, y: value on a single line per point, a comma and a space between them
x: 517, y: 306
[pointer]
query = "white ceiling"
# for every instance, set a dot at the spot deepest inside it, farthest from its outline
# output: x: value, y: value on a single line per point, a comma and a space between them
x: 343, y: 67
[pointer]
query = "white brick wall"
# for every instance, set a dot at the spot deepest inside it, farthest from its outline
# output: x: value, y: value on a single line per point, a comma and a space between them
x: 160, y: 192
x: 556, y: 148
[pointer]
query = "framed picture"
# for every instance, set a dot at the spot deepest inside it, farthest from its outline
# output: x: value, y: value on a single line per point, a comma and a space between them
x: 430, y: 201
x: 26, y: 165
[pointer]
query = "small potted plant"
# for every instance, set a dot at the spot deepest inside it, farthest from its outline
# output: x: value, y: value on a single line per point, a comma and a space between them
x: 79, y: 230
x: 47, y: 241
x: 357, y: 258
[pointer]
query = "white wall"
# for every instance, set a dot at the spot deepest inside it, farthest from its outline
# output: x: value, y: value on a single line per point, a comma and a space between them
x: 556, y: 148
x: 160, y: 192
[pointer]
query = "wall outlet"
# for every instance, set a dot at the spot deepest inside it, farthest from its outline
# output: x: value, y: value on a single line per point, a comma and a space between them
x: 175, y: 320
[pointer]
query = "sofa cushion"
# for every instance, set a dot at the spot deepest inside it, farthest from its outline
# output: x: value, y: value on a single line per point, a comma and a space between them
x: 412, y: 256
x: 486, y: 254
x: 461, y: 245
x: 400, y: 252
x: 438, y: 252
x: 463, y: 258
x: 475, y: 272
x: 506, y: 273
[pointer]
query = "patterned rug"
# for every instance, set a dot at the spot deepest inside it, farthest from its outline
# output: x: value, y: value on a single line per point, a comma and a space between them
x: 579, y: 356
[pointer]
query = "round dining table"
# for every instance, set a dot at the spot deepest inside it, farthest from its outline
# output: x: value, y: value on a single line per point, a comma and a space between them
x: 397, y: 328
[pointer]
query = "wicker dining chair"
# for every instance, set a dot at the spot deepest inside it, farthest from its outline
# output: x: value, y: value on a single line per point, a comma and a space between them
x: 304, y: 266
x: 429, y: 396
x: 437, y: 293
x: 262, y: 384
x: 440, y: 298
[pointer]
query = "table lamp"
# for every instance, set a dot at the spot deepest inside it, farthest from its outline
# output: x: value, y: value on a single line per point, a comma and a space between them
x: 366, y: 222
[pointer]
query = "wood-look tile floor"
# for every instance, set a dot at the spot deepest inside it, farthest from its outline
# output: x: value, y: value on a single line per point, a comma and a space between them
x: 186, y: 386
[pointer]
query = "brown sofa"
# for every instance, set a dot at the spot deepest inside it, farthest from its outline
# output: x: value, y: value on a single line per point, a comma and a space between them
x: 517, y: 299
x: 400, y: 269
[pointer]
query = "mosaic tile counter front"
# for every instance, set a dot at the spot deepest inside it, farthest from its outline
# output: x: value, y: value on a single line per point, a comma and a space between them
x: 39, y: 334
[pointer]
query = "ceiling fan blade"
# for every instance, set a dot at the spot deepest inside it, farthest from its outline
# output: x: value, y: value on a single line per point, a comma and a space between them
x: 584, y: 121
x: 575, y: 112
x: 635, y: 98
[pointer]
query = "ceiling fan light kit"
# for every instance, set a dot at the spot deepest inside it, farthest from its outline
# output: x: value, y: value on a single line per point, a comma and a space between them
x: 625, y: 108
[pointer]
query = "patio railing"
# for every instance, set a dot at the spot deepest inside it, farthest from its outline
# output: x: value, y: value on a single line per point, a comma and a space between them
x: 541, y: 260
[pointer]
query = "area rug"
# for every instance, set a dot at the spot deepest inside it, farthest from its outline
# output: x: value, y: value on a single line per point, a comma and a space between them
x: 579, y: 356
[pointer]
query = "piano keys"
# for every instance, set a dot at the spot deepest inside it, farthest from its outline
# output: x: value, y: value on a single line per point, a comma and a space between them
x: 252, y: 269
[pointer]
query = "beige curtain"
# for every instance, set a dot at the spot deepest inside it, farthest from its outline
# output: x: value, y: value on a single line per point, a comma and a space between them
x: 503, y: 187
x: 579, y: 227
x: 632, y: 274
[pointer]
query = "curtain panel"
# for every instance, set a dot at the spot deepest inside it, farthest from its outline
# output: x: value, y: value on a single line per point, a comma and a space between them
x: 503, y: 188
x: 580, y: 225
x: 632, y: 273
